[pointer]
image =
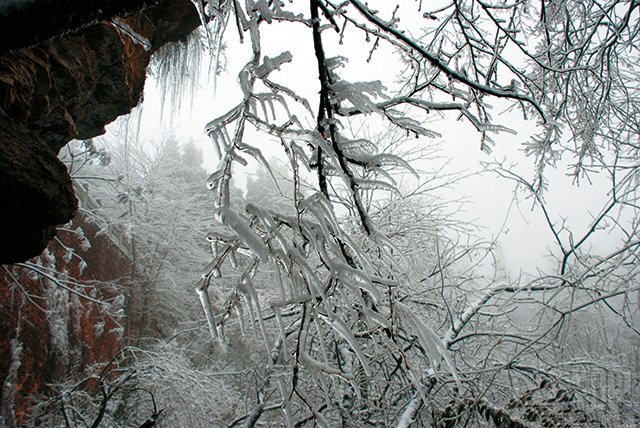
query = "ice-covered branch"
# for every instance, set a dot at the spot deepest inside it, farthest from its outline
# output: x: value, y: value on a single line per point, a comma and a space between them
x: 410, y: 411
x: 442, y: 66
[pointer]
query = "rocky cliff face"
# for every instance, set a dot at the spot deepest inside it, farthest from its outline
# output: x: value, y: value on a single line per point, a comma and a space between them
x: 64, y: 313
x: 63, y: 89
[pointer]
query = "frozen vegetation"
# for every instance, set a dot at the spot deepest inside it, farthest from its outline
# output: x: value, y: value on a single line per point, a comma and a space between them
x: 338, y: 286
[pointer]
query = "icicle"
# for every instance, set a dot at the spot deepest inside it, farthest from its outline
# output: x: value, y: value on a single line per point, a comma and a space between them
x: 383, y: 160
x: 240, y: 314
x: 283, y: 295
x: 252, y: 314
x: 201, y: 289
x: 322, y: 210
x: 351, y: 277
x: 428, y: 339
x: 356, y: 94
x: 341, y: 328
x: 360, y: 145
x: 408, y: 415
x: 253, y: 296
x: 133, y: 35
x: 263, y: 216
x: 399, y: 119
x: 257, y: 155
x: 283, y: 334
x: 218, y: 123
x: 378, y: 318
x: 237, y: 158
x: 177, y: 68
x: 323, y: 346
x: 272, y: 107
x: 211, y: 269
x: 357, y: 278
x: 314, y: 365
x: 377, y: 185
x: 312, y: 279
x: 220, y: 331
x: 203, y: 20
x: 232, y: 220
x: 233, y: 259
x: 244, y: 22
x: 215, y: 177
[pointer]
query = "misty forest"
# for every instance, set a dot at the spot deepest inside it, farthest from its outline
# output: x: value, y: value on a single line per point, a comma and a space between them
x: 327, y: 213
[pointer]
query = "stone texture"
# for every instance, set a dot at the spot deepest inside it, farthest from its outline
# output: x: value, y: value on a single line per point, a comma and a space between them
x: 67, y: 88
x: 25, y: 23
x: 48, y: 335
x: 36, y: 192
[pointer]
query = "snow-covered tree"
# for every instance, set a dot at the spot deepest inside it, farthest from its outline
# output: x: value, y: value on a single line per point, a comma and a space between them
x: 350, y: 348
x: 339, y: 301
x: 152, y: 199
x: 154, y: 195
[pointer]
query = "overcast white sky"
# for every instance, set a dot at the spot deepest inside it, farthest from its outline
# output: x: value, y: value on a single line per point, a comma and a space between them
x: 523, y: 240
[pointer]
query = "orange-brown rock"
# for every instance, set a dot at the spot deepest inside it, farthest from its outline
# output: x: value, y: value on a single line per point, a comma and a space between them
x: 67, y: 88
x: 63, y: 312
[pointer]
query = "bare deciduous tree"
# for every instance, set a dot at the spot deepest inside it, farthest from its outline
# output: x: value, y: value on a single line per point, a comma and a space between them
x: 356, y: 300
x: 352, y: 344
